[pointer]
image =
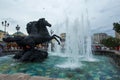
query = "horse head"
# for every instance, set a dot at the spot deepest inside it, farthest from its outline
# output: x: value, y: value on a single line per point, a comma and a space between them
x: 43, y: 22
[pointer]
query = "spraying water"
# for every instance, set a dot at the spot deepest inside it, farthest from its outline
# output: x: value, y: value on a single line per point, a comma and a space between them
x: 78, y: 41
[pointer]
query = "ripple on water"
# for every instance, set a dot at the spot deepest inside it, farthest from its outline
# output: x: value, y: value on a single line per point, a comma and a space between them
x: 95, y: 70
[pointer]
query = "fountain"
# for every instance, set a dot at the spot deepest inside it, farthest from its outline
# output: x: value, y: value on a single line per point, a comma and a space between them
x: 75, y: 63
x: 38, y: 34
x: 77, y: 44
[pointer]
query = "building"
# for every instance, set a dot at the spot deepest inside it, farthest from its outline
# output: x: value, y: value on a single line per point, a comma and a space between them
x: 11, y: 45
x: 2, y: 35
x: 18, y: 34
x: 117, y: 35
x: 97, y: 37
x: 63, y: 36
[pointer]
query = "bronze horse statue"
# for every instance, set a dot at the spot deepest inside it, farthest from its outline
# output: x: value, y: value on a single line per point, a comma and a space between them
x: 38, y: 34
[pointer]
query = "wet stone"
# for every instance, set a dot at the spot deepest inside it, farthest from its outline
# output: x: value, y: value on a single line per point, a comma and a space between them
x: 70, y: 75
x: 3, y: 76
x: 21, y: 76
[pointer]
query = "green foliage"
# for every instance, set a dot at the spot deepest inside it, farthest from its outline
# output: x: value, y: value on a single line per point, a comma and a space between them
x: 111, y: 42
x: 116, y: 27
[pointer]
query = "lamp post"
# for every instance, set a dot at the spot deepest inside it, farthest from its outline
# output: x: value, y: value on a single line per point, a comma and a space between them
x: 17, y: 28
x: 5, y: 24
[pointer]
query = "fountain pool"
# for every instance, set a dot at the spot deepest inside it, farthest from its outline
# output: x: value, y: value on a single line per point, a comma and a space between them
x: 101, y: 69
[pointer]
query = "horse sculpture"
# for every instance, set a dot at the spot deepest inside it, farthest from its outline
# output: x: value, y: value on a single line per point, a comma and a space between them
x: 38, y: 34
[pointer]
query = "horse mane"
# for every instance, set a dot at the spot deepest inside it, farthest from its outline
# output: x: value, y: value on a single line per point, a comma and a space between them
x: 29, y: 26
x: 39, y: 24
x: 37, y: 27
x: 36, y: 23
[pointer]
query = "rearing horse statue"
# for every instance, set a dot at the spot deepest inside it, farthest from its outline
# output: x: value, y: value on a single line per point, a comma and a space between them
x: 38, y: 34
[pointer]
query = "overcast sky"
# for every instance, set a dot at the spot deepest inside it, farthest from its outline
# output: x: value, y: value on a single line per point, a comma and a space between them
x: 101, y: 13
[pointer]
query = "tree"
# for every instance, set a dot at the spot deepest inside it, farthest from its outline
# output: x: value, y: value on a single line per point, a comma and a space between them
x: 111, y: 42
x: 116, y: 27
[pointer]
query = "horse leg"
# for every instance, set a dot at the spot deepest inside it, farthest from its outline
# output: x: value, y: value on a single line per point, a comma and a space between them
x: 57, y: 37
x: 53, y: 37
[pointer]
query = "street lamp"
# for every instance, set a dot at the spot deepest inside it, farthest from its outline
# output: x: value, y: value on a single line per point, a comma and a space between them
x: 5, y: 24
x: 17, y: 28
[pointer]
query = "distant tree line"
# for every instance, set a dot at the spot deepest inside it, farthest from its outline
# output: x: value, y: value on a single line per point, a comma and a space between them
x: 111, y: 41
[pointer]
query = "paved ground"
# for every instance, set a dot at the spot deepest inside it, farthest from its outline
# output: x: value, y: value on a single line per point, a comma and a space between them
x: 21, y: 76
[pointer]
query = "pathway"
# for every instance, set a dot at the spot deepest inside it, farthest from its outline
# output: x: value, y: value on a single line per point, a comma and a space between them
x: 21, y: 76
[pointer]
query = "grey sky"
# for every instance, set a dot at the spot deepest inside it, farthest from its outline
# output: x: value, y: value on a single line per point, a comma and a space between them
x: 102, y: 13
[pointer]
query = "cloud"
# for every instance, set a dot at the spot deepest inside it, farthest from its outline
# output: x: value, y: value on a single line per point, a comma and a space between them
x: 104, y: 30
x: 100, y: 13
x: 103, y: 14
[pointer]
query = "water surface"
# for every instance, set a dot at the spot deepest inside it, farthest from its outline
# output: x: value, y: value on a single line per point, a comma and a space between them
x: 95, y: 70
